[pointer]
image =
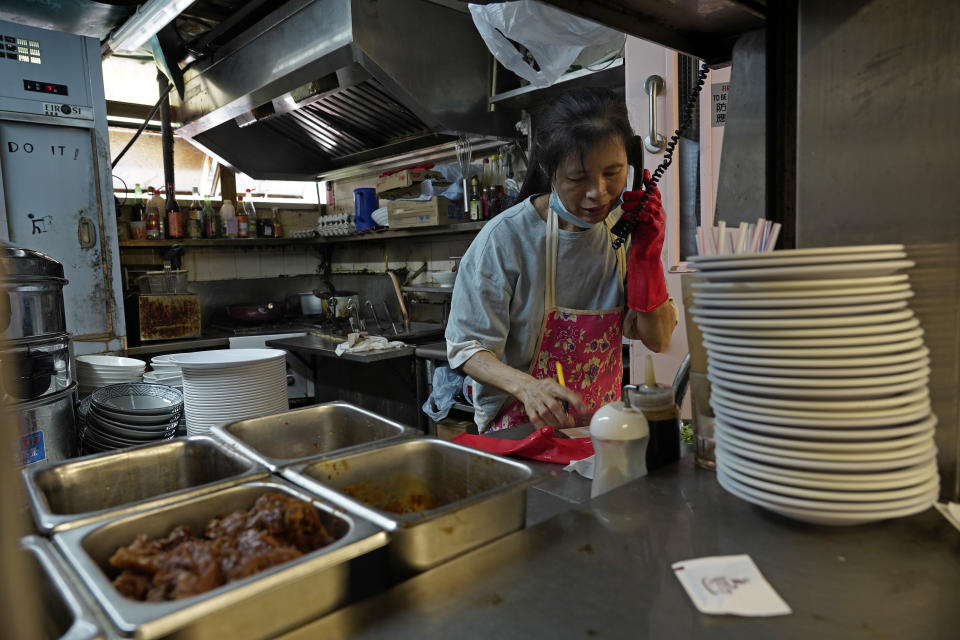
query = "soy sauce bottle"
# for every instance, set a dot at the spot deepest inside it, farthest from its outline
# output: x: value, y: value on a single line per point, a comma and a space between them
x: 660, y: 409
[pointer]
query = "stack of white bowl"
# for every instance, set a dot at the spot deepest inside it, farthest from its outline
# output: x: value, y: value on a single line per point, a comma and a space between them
x: 819, y: 382
x: 164, y: 371
x: 226, y: 385
x: 128, y: 415
x: 94, y: 372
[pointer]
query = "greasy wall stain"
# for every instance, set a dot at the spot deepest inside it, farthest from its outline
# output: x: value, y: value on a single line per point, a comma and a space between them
x: 165, y: 317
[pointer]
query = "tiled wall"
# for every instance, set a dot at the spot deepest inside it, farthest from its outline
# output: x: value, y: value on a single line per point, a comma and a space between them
x: 232, y: 263
x: 373, y: 256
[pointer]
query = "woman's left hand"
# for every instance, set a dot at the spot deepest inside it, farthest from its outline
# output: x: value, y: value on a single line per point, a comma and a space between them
x: 646, y: 285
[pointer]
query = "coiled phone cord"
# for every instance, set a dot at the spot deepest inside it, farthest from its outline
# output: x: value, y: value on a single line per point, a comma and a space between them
x: 625, y: 226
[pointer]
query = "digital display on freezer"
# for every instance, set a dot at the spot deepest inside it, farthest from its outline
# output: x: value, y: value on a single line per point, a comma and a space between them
x: 45, y: 87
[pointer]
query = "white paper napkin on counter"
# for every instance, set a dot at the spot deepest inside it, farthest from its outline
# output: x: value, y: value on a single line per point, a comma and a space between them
x: 360, y: 342
x: 729, y: 585
x: 584, y: 467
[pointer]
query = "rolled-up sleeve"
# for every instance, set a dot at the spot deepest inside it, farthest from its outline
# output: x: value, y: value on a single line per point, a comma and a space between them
x: 480, y: 308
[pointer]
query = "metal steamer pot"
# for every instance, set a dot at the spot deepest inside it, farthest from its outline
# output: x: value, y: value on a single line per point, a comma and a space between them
x: 31, y: 304
x: 35, y: 368
x: 37, y: 383
x: 44, y: 429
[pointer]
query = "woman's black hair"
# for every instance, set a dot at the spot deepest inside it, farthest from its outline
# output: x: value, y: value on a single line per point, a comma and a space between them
x: 572, y: 123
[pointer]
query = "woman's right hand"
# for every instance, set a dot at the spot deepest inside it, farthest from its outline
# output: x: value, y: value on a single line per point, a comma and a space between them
x: 543, y: 402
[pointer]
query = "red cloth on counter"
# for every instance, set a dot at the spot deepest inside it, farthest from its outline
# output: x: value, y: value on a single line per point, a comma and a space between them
x: 540, y: 445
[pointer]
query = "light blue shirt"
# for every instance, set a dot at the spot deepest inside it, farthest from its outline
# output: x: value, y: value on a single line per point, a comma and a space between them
x: 498, y: 300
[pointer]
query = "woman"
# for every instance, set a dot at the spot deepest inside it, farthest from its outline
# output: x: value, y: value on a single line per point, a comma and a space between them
x: 541, y: 283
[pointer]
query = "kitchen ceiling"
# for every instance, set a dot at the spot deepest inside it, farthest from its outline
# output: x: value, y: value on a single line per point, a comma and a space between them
x: 302, y: 88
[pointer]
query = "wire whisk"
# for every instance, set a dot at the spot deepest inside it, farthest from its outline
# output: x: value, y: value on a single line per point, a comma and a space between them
x: 464, y: 151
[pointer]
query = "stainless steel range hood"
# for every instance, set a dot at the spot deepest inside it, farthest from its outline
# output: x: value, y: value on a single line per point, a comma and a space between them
x: 324, y: 84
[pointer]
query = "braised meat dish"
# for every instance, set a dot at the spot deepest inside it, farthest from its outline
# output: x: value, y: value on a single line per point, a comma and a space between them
x: 277, y: 529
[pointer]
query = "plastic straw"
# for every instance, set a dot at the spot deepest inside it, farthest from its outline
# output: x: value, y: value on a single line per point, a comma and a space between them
x: 757, y: 235
x: 772, y: 238
x: 742, y: 237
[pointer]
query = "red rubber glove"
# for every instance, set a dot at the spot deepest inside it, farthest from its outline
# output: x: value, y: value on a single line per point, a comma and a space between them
x: 646, y: 285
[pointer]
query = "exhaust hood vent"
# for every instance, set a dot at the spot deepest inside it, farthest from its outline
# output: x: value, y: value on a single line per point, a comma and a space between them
x: 358, y: 119
x: 326, y: 84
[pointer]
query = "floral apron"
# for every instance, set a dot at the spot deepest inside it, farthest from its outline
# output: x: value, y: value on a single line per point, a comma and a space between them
x: 587, y: 343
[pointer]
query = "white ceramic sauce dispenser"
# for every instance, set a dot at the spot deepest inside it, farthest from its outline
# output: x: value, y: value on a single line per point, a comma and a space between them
x: 620, y: 434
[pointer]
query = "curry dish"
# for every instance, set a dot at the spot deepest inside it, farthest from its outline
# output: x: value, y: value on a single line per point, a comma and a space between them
x: 278, y: 528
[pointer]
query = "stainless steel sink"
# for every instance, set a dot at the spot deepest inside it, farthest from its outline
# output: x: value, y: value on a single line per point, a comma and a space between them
x: 418, y: 331
x: 79, y: 491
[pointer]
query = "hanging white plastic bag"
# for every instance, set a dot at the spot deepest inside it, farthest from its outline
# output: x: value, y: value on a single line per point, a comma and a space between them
x: 553, y: 37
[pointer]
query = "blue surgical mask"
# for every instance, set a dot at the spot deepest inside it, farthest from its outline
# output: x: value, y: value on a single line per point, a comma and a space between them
x: 561, y: 210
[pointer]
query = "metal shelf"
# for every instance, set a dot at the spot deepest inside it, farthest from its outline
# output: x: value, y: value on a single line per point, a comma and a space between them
x: 418, y: 232
x: 705, y: 29
x: 415, y: 288
x: 216, y: 242
x: 528, y: 97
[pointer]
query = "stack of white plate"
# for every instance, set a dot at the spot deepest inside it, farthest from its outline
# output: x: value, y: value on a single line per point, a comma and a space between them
x: 127, y: 415
x: 164, y: 371
x: 226, y: 385
x: 819, y: 382
x: 94, y: 372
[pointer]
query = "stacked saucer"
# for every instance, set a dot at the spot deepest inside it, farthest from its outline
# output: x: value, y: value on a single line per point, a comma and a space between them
x: 94, y: 372
x: 164, y: 371
x: 226, y: 385
x: 819, y: 382
x: 126, y: 415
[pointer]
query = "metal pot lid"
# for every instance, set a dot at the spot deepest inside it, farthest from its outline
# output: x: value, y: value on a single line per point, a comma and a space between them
x: 18, y: 263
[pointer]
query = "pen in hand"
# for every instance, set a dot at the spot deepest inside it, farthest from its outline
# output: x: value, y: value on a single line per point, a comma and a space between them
x: 566, y: 404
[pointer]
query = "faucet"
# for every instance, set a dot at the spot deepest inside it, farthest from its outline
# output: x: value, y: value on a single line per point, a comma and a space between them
x: 386, y: 310
x: 373, y: 310
x: 359, y: 325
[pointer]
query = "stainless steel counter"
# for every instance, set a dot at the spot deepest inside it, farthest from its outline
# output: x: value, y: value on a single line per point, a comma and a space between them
x: 601, y: 569
x: 172, y: 346
x: 316, y: 346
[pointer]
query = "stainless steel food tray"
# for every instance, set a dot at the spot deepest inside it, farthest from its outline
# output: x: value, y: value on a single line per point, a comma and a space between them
x: 259, y: 606
x: 66, y: 616
x: 313, y: 433
x: 477, y: 496
x: 92, y: 488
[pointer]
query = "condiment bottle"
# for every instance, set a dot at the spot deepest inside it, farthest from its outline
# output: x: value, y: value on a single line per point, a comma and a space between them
x: 228, y: 215
x: 195, y: 217
x: 251, y: 213
x: 663, y: 416
x: 243, y: 222
x: 619, y: 433
x: 211, y: 220
x: 174, y: 215
x: 277, y: 225
x: 153, y: 214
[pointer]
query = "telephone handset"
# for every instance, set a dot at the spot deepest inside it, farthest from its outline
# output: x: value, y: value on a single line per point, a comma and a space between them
x: 625, y: 225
